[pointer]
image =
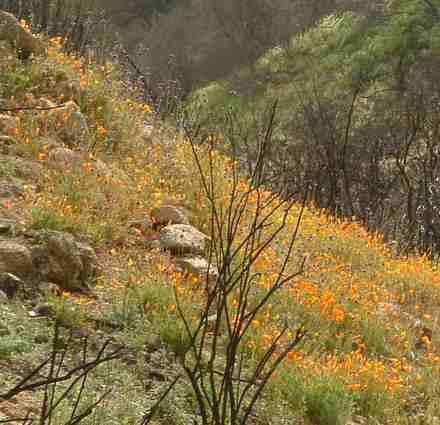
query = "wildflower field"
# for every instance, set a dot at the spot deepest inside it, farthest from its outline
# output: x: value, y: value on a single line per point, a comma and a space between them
x: 371, y: 351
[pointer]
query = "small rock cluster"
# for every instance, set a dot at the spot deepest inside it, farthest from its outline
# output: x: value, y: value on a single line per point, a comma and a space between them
x: 185, y: 243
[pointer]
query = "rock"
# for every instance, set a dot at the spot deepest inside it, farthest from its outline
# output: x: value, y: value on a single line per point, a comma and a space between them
x: 182, y: 239
x: 10, y: 284
x: 8, y: 124
x: 60, y: 259
x: 89, y: 261
x: 15, y: 258
x: 7, y: 226
x: 64, y: 158
x: 43, y: 309
x: 168, y: 214
x: 20, y: 38
x: 198, y: 266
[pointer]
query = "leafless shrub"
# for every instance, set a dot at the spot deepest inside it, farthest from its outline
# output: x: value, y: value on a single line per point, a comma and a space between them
x: 58, y: 370
x: 226, y: 388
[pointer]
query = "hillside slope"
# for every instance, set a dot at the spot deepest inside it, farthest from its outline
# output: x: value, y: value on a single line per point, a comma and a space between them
x: 83, y: 169
x: 356, y: 117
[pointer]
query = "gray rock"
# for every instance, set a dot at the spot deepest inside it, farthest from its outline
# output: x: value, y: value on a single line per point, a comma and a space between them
x: 198, y: 266
x: 58, y: 258
x: 22, y: 40
x: 15, y: 258
x: 10, y: 284
x: 168, y: 214
x: 43, y: 309
x: 182, y: 239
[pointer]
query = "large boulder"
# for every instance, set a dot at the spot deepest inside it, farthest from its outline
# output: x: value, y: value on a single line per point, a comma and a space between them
x: 19, y: 37
x: 60, y: 259
x: 182, y: 239
x: 15, y: 258
x: 168, y: 214
x: 198, y: 266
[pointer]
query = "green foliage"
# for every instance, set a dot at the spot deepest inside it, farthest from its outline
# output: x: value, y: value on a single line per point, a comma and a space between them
x: 328, y: 402
x: 52, y: 220
x: 13, y: 344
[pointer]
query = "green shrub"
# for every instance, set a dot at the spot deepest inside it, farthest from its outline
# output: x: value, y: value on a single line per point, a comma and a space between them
x: 328, y: 402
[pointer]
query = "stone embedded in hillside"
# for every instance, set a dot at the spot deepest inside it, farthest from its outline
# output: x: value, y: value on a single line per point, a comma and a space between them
x: 62, y: 260
x: 20, y: 38
x: 10, y: 284
x: 182, y: 239
x: 168, y: 214
x: 198, y: 266
x: 8, y: 124
x: 15, y: 258
x: 64, y: 158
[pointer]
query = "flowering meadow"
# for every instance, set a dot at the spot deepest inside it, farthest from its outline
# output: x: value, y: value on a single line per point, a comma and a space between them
x: 371, y: 354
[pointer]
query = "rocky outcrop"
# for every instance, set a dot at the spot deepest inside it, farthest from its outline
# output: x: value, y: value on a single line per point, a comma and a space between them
x: 59, y: 259
x: 182, y: 239
x: 22, y: 40
x: 197, y: 266
x: 48, y: 257
x: 15, y: 258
